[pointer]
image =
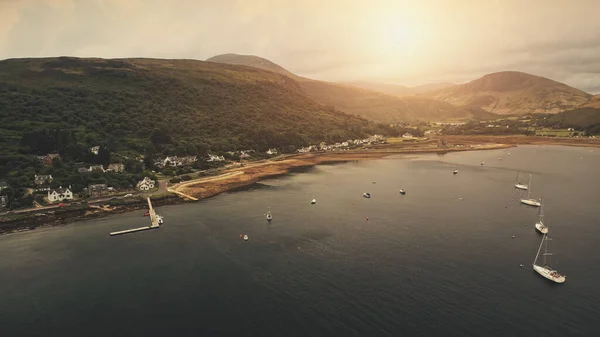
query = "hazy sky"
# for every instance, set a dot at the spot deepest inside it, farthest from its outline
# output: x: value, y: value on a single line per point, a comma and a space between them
x: 394, y: 41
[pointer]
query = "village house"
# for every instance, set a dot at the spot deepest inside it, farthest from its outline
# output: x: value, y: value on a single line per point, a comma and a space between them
x: 215, y: 158
x: 244, y: 155
x: 60, y: 194
x: 407, y: 136
x: 175, y: 161
x: 3, y: 185
x: 47, y: 159
x: 96, y: 190
x: 272, y: 151
x: 42, y: 179
x: 95, y: 149
x: 145, y: 184
x: 99, y: 168
x: 116, y: 168
x: 3, y: 201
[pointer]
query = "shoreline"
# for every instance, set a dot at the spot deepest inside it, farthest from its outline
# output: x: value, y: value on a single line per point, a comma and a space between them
x: 249, y: 173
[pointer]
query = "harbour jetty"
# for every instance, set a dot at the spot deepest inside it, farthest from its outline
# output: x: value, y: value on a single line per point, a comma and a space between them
x: 153, y: 223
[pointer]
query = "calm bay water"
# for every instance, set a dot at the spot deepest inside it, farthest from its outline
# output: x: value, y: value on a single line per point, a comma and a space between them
x: 426, y: 263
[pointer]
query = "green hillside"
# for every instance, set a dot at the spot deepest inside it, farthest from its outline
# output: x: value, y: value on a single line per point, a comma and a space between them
x: 175, y: 106
x: 584, y: 119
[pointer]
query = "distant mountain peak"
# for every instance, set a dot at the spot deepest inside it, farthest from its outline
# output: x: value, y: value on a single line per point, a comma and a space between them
x: 250, y: 61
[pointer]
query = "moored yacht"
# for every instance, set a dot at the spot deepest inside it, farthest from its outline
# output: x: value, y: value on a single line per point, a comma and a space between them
x: 539, y: 224
x: 546, y: 270
x: 269, y: 216
x: 519, y: 185
x: 530, y: 201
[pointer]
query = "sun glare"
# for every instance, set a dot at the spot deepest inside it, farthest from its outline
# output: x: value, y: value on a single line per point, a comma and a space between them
x: 394, y: 35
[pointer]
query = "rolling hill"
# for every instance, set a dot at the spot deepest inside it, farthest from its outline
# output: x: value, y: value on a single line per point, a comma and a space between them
x: 593, y: 102
x: 366, y: 103
x: 512, y: 92
x: 171, y: 106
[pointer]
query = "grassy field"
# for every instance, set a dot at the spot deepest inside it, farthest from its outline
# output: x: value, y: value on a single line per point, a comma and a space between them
x: 395, y: 140
x: 554, y: 133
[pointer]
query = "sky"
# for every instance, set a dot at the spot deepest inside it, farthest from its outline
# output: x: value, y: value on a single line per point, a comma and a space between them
x: 389, y: 41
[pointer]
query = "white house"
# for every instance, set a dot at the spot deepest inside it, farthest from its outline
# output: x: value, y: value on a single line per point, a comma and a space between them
x: 60, y: 194
x: 95, y: 149
x: 42, y: 179
x: 272, y: 151
x: 99, y: 168
x: 145, y: 184
x: 215, y: 158
x: 116, y: 167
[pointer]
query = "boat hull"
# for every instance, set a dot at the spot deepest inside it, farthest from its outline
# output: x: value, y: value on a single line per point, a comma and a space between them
x: 531, y: 202
x: 541, y: 228
x: 549, y: 274
x: 521, y: 186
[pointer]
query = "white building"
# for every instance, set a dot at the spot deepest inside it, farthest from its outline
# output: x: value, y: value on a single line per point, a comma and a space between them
x: 272, y: 151
x: 215, y: 158
x: 145, y: 184
x: 116, y: 168
x: 60, y: 194
x: 95, y: 149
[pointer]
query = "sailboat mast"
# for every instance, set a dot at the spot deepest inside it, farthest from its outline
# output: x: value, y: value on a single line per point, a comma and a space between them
x: 539, y: 249
x: 545, y: 249
x: 529, y: 187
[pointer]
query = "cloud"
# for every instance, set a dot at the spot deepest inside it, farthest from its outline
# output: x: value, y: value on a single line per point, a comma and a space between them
x: 397, y: 41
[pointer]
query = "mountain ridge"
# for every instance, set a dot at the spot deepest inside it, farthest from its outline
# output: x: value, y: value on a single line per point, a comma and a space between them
x: 513, y: 92
x: 370, y: 104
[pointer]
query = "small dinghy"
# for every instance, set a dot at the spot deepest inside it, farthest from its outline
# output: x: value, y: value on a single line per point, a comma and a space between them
x: 367, y: 195
x: 269, y: 216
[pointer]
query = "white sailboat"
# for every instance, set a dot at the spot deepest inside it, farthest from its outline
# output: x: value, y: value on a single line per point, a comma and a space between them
x: 269, y: 216
x: 519, y: 185
x: 530, y: 201
x: 539, y: 225
x: 314, y: 201
x: 545, y: 270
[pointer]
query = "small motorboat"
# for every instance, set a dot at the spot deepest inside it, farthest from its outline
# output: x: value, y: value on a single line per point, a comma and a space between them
x: 455, y: 172
x: 245, y: 237
x: 314, y: 201
x: 402, y: 191
x: 269, y: 216
x: 159, y: 219
x: 367, y: 195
